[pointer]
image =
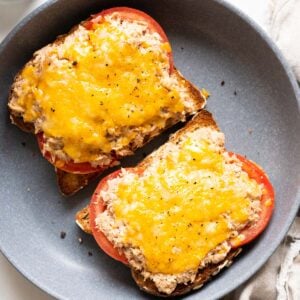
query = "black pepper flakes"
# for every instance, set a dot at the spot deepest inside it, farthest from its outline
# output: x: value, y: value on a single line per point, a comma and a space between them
x: 74, y: 63
x: 23, y: 144
x: 235, y: 93
x: 63, y: 234
x: 52, y: 109
x: 223, y: 83
x: 90, y: 253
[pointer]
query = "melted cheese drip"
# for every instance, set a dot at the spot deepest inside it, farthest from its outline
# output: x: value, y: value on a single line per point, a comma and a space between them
x: 98, y: 86
x: 182, y: 208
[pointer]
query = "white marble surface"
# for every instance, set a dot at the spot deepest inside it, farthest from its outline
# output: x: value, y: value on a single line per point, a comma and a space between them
x: 13, y: 286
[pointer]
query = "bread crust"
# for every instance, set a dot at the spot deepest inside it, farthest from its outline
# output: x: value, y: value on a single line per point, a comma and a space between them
x: 202, y: 277
x: 19, y: 121
x: 70, y: 183
x: 82, y: 219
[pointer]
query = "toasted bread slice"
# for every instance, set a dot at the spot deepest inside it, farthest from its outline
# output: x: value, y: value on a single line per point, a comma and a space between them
x: 39, y: 101
x: 202, y: 128
x: 83, y: 220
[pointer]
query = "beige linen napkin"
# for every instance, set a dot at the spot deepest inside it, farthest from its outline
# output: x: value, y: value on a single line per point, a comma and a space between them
x: 283, y: 25
x: 280, y: 277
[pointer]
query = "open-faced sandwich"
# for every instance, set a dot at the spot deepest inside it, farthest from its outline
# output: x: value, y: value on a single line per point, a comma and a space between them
x: 100, y: 92
x: 183, y: 213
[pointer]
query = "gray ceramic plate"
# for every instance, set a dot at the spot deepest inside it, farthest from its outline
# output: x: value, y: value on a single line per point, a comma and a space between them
x: 257, y: 108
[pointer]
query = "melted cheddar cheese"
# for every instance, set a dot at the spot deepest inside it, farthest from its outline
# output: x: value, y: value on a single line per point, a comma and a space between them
x: 183, y: 206
x: 97, y: 82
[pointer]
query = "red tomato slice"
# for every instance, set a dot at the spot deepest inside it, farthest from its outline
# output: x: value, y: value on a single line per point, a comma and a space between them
x: 132, y: 14
x: 254, y: 171
x: 70, y: 166
x: 96, y: 207
x: 267, y: 201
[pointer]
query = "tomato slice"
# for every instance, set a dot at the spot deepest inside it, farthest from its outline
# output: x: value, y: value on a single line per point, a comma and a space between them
x: 70, y: 166
x: 132, y: 14
x: 254, y: 171
x: 96, y: 207
x: 267, y: 202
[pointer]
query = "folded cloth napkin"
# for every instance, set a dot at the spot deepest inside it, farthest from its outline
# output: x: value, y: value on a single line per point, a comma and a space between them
x: 283, y: 24
x: 280, y: 277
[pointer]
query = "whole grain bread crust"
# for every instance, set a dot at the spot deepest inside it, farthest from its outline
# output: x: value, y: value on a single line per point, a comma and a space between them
x: 69, y: 188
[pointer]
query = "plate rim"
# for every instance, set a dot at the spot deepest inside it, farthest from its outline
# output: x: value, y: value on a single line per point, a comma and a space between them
x: 292, y: 79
